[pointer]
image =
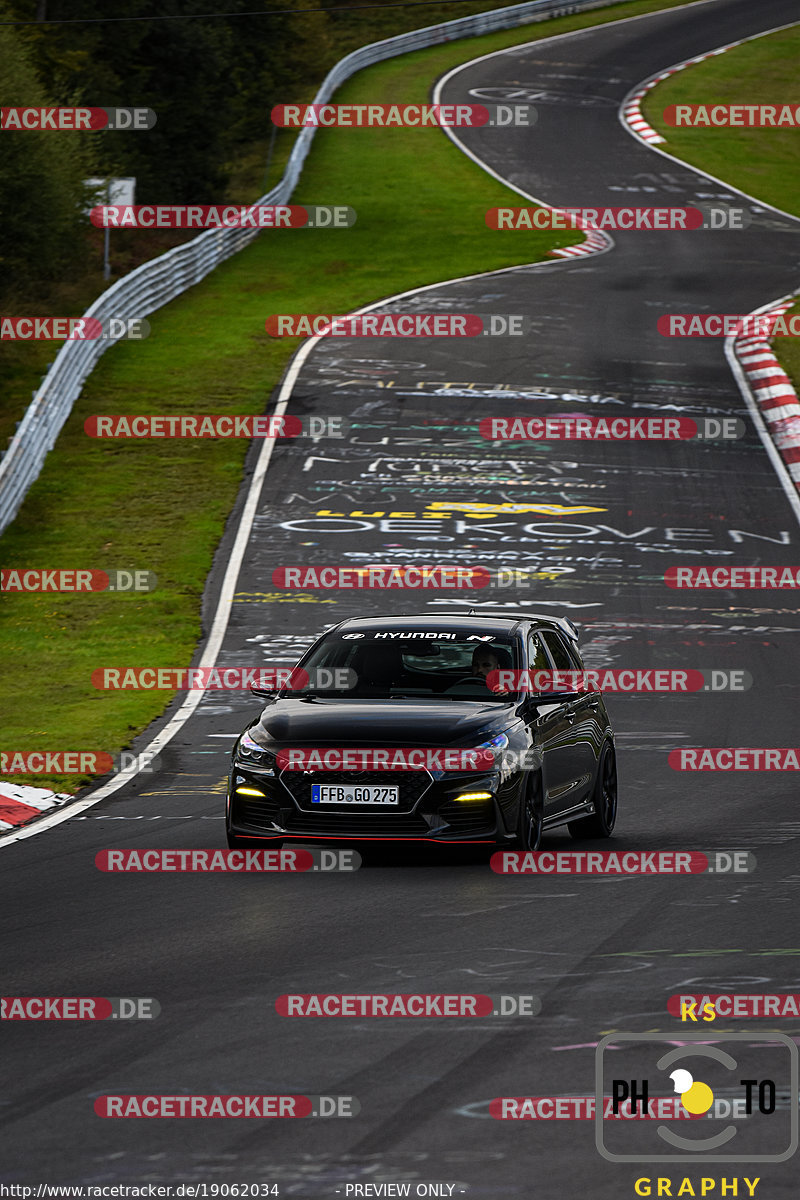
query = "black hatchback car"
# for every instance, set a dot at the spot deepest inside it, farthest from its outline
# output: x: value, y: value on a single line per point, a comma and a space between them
x: 417, y: 728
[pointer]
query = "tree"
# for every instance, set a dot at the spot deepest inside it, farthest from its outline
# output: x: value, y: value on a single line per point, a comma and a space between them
x: 42, y: 194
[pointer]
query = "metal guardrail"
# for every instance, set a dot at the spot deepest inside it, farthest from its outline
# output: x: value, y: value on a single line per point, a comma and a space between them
x: 162, y: 279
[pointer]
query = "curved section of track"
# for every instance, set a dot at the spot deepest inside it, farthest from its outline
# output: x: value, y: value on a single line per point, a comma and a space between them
x: 411, y: 482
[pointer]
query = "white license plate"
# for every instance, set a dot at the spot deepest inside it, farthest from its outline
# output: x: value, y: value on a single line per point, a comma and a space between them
x: 349, y: 793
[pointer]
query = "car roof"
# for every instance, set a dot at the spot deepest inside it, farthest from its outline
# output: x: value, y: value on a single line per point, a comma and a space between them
x: 499, y: 622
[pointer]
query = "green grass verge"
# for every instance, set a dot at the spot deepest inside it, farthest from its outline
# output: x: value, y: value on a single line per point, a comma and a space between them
x: 23, y: 364
x: 162, y: 506
x: 764, y: 163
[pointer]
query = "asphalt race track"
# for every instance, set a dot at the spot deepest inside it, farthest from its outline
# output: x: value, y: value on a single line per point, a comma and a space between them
x: 604, y: 954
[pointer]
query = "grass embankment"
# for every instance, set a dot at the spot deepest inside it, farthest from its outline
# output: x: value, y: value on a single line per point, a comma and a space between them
x: 163, y: 505
x: 764, y: 163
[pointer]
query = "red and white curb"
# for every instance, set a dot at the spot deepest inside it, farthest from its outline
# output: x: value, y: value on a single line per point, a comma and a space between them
x: 632, y: 115
x: 631, y: 111
x: 774, y: 394
x: 596, y: 241
x: 19, y: 805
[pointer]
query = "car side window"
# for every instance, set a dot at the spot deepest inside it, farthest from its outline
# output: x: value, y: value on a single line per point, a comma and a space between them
x: 537, y: 655
x: 562, y: 657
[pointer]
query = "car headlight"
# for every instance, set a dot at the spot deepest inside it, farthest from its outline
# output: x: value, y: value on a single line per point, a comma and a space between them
x: 249, y: 750
x: 496, y: 744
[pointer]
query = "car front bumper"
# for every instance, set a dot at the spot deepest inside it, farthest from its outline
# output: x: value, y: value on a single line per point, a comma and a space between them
x: 265, y: 804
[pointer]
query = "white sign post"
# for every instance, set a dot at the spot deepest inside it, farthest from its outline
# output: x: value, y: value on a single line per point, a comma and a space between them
x: 117, y: 191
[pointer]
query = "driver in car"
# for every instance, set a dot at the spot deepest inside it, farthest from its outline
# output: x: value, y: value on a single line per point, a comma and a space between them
x: 484, y: 661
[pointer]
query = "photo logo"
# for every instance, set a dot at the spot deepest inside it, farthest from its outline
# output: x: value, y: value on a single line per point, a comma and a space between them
x: 714, y: 1084
x: 696, y: 1098
x: 688, y: 1011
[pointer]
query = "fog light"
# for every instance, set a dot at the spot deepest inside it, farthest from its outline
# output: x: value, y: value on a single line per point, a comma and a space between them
x: 240, y: 791
x: 466, y: 796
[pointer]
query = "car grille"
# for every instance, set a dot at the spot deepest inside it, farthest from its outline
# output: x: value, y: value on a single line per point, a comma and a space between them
x: 256, y: 812
x: 468, y: 818
x: 412, y: 785
x: 366, y: 824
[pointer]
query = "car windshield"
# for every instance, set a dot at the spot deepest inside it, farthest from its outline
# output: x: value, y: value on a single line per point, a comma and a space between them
x: 387, y: 664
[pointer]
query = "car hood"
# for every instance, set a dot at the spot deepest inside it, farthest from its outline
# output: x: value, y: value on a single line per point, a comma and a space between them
x: 380, y: 723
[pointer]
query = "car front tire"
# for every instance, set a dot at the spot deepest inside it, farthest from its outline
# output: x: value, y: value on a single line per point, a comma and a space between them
x: 602, y: 821
x: 531, y: 813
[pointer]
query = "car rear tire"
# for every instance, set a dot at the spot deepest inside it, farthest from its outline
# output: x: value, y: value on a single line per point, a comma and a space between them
x: 602, y: 821
x: 531, y: 814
